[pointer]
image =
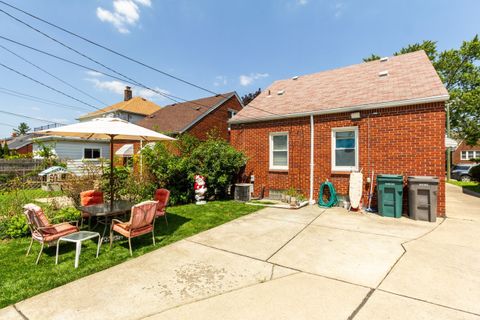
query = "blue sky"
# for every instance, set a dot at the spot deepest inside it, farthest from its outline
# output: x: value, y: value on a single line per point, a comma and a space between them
x: 220, y: 45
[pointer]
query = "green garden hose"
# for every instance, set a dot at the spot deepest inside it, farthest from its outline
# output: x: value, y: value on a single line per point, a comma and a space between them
x: 333, y: 195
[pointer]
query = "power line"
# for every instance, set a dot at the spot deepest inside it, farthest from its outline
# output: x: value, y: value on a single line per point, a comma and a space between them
x: 108, y: 49
x: 115, y: 52
x: 28, y: 117
x: 52, y: 75
x: 38, y: 99
x: 47, y: 86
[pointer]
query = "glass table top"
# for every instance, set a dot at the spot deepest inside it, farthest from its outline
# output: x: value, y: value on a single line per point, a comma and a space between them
x: 119, y: 206
x: 80, y: 235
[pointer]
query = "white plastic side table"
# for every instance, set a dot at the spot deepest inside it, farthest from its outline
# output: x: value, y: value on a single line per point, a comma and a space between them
x: 78, y: 238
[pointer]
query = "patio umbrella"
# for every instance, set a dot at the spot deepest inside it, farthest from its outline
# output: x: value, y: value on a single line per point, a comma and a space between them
x: 107, y: 128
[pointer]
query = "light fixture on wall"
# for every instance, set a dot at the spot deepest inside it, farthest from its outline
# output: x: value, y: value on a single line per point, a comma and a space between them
x: 355, y: 115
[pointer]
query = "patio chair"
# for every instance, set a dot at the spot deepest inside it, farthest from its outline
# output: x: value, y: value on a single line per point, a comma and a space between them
x: 42, y: 230
x: 142, y: 221
x: 89, y: 198
x: 162, y: 196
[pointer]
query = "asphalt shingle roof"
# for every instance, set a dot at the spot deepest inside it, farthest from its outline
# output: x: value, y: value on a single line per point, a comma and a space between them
x: 175, y: 118
x: 137, y: 105
x: 410, y: 77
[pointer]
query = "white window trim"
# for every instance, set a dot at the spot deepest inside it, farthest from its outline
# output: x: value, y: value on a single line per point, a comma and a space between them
x: 333, y: 142
x: 270, y: 150
x: 90, y: 159
x: 464, y: 155
x: 233, y: 111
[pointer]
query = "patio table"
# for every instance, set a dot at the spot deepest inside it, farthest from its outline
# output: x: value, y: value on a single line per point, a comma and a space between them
x: 78, y: 238
x: 107, y: 211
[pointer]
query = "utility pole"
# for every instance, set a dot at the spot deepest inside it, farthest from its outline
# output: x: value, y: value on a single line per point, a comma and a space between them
x: 448, y: 148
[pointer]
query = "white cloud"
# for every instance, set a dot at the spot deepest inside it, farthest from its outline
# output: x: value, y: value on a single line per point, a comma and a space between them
x: 118, y: 87
x: 125, y: 13
x: 112, y: 86
x: 338, y: 9
x: 302, y: 2
x: 93, y: 73
x: 246, y: 80
x: 220, y: 81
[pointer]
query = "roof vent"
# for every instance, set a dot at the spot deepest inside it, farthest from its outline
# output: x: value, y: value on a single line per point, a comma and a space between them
x: 383, y: 73
x: 281, y: 92
x: 384, y: 59
x: 197, y: 108
x: 295, y: 78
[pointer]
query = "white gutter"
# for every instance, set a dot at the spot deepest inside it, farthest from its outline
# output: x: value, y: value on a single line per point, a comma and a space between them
x: 370, y: 106
x: 312, y: 165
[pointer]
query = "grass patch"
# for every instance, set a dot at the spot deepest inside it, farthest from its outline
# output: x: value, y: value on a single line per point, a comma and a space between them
x: 472, y: 185
x: 20, y: 278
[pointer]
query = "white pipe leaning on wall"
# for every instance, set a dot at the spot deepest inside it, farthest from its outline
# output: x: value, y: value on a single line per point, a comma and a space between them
x: 312, y: 165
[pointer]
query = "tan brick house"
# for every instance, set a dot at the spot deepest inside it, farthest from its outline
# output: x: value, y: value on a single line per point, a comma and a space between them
x: 386, y: 115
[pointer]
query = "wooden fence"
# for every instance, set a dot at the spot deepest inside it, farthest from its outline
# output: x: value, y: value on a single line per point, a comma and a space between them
x: 19, y: 166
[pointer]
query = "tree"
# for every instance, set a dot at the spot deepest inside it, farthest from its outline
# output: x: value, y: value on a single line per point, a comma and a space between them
x: 6, y: 151
x: 246, y: 99
x: 459, y: 70
x: 22, y: 128
x: 373, y: 57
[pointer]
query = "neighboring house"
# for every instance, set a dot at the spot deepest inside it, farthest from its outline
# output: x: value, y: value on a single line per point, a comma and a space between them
x: 76, y: 150
x: 463, y: 153
x: 131, y: 109
x: 21, y: 144
x: 196, y: 117
x: 387, y: 115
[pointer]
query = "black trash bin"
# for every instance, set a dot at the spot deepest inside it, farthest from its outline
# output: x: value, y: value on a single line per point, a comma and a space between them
x: 422, y: 198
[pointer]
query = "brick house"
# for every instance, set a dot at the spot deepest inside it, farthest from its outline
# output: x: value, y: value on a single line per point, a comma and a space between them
x: 385, y: 115
x: 463, y: 153
x: 196, y: 117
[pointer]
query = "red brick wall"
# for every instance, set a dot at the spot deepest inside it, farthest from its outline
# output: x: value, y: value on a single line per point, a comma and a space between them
x: 25, y: 149
x: 456, y: 155
x: 216, y: 120
x: 404, y: 140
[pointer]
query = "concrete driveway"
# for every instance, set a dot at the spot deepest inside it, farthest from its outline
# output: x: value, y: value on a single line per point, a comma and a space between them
x: 281, y: 264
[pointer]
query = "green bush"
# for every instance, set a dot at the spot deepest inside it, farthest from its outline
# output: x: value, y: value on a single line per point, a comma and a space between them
x: 13, y: 227
x: 174, y: 165
x: 66, y: 214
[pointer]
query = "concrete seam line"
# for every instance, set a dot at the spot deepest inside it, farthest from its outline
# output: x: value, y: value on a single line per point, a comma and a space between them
x: 271, y: 274
x: 360, y: 306
x: 427, y: 233
x: 20, y: 312
x: 331, y: 278
x: 301, y: 230
x: 213, y: 296
x: 362, y: 232
x: 429, y: 302
x: 227, y: 251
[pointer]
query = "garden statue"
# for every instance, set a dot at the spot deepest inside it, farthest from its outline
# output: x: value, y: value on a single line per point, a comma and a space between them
x: 200, y: 189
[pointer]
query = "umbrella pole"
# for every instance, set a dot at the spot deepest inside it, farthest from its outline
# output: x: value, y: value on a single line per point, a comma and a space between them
x: 111, y: 171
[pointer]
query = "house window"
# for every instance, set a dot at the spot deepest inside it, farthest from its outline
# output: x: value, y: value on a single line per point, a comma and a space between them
x: 91, y: 153
x: 279, y: 151
x: 345, y: 149
x: 470, y: 154
x: 231, y: 113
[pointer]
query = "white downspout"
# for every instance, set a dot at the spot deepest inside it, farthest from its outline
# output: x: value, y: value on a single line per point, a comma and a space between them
x: 312, y: 165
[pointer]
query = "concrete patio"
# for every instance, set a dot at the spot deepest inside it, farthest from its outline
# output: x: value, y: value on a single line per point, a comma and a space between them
x: 310, y: 263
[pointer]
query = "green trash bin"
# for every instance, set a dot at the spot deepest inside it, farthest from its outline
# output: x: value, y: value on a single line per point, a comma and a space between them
x: 390, y: 195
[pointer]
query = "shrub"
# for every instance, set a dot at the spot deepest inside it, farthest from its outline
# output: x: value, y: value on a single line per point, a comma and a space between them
x: 14, y: 227
x: 174, y: 165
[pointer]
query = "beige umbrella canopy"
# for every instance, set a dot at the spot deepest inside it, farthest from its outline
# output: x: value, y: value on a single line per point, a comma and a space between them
x: 107, y: 128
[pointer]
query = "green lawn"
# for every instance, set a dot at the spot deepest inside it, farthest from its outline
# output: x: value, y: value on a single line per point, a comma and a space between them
x: 20, y: 278
x: 472, y: 185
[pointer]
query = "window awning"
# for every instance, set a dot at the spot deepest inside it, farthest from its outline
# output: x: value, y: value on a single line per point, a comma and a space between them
x: 125, y: 151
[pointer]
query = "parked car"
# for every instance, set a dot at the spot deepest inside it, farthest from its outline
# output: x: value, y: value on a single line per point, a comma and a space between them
x: 461, y: 172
